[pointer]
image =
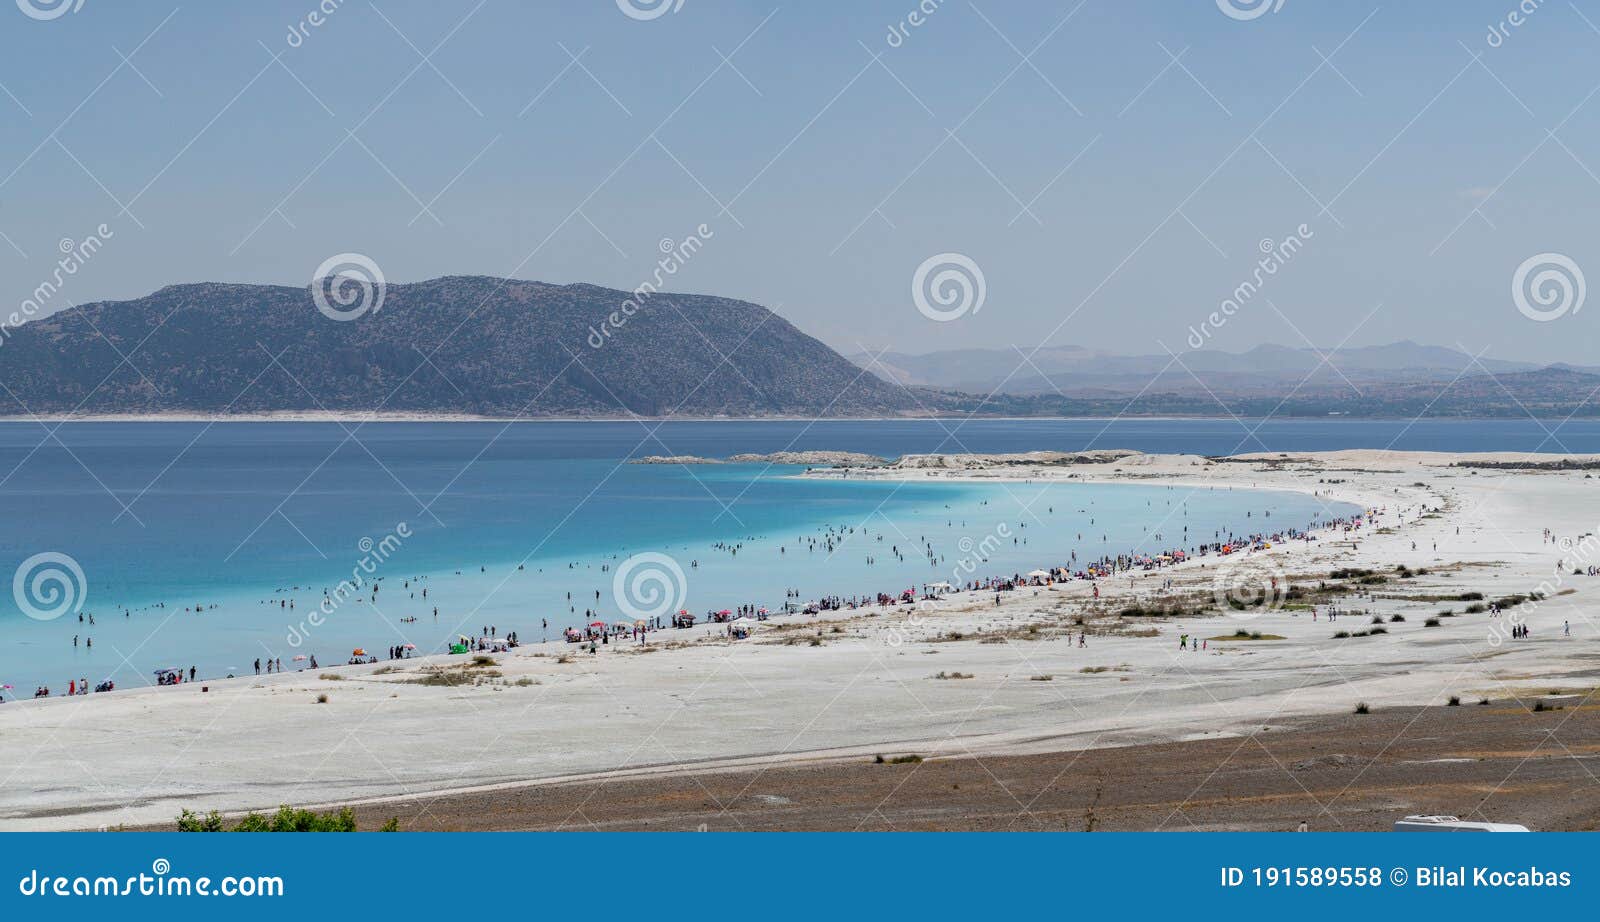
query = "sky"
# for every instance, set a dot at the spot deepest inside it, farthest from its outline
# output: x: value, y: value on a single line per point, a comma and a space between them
x: 1112, y: 169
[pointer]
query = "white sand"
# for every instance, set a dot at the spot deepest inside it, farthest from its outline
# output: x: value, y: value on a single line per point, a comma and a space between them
x: 139, y: 756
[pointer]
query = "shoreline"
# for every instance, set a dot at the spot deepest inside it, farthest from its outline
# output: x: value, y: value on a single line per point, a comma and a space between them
x: 605, y: 709
x: 356, y: 416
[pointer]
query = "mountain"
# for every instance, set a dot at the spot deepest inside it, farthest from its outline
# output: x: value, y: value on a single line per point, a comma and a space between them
x: 462, y: 345
x: 475, y: 346
x: 1264, y: 370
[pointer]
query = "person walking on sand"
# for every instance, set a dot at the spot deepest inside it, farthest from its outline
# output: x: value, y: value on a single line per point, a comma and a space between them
x: 1566, y: 629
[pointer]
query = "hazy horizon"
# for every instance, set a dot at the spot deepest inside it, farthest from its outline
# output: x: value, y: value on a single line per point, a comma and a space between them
x: 1114, y: 187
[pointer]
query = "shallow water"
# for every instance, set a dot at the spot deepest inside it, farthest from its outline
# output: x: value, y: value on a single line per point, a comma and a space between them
x: 165, y: 517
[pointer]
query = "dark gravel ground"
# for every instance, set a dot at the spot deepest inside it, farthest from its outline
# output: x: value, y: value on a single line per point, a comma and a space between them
x: 1501, y: 762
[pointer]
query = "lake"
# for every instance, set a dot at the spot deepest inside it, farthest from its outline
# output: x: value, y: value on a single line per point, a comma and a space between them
x: 193, y: 541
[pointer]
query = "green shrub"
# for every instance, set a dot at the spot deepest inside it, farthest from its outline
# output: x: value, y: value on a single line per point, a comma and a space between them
x: 287, y: 819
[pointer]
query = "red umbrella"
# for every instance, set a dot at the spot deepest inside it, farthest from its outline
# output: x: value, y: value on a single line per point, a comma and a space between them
x: 597, y: 624
x: 409, y: 646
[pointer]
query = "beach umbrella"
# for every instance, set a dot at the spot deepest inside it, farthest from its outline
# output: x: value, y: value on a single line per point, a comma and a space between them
x: 409, y: 646
x: 299, y: 656
x: 358, y: 652
x: 597, y: 624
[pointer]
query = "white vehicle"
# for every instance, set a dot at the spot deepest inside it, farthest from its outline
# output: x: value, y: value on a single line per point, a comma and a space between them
x: 1451, y: 824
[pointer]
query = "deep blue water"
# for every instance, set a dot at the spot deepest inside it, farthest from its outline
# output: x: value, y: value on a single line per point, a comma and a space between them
x: 163, y: 517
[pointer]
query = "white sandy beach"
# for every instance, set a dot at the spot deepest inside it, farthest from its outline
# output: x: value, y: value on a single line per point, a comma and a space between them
x: 854, y: 683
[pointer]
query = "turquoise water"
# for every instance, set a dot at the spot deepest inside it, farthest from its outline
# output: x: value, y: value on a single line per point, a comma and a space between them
x: 193, y: 539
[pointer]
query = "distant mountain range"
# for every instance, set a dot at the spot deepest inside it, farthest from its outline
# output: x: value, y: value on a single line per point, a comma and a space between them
x: 1269, y: 369
x: 488, y: 347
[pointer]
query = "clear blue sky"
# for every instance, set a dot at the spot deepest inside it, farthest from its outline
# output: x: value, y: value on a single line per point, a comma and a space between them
x: 234, y: 167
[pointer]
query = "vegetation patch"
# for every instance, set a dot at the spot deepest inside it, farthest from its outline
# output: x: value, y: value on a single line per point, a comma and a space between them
x: 1243, y: 634
x: 287, y: 819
